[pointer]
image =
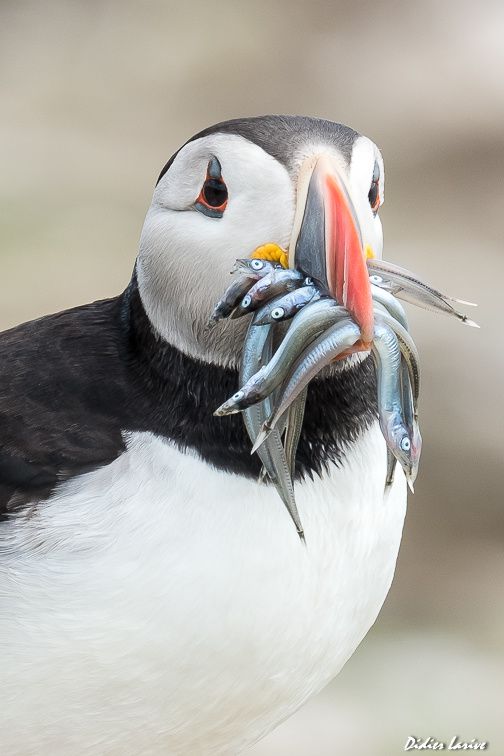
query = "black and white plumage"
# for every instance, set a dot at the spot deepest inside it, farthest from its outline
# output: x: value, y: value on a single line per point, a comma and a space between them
x: 74, y: 383
x: 154, y: 596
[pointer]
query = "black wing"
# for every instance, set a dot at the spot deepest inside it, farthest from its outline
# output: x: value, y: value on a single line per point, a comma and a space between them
x: 62, y: 381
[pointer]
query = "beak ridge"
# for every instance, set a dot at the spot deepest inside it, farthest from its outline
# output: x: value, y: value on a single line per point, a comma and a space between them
x: 327, y: 243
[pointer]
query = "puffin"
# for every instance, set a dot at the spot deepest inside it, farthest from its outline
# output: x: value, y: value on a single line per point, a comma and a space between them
x: 155, y: 597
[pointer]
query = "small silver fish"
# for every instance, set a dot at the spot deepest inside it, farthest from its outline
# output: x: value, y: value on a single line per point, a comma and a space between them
x: 390, y: 303
x: 294, y: 426
x: 316, y: 356
x: 306, y: 325
x: 278, y: 281
x: 249, y: 275
x: 408, y: 349
x: 409, y: 413
x: 387, y: 355
x: 405, y: 285
x: 286, y: 306
x: 257, y: 348
x: 255, y: 265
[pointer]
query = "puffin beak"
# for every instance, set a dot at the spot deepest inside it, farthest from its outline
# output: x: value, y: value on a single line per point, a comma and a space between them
x: 326, y: 243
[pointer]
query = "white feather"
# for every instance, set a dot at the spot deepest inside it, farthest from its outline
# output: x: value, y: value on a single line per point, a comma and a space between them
x: 160, y: 606
x: 185, y: 257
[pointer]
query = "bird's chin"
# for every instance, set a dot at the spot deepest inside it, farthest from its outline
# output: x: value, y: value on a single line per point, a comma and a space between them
x: 221, y: 344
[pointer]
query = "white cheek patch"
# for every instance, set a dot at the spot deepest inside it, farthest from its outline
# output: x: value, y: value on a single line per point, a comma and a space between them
x: 185, y: 257
x: 364, y: 155
x: 361, y: 166
x: 250, y: 174
x: 260, y: 195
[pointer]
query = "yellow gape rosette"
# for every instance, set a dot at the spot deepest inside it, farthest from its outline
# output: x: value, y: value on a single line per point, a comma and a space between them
x: 273, y: 253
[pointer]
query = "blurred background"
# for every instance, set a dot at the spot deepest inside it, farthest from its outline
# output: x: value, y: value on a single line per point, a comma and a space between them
x: 97, y: 95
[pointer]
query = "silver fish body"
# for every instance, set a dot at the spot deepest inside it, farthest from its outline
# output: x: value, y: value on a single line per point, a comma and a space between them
x: 316, y: 356
x: 387, y: 356
x: 312, y: 320
x: 249, y: 271
x: 294, y: 425
x: 255, y: 265
x: 405, y: 285
x: 408, y: 351
x: 277, y: 281
x: 390, y: 303
x: 385, y: 302
x: 287, y: 305
x: 233, y: 294
x: 410, y: 415
x: 257, y: 349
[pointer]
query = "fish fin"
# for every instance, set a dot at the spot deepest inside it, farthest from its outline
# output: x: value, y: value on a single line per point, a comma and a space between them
x: 261, y: 437
x: 291, y: 507
x: 467, y: 321
x: 462, y: 302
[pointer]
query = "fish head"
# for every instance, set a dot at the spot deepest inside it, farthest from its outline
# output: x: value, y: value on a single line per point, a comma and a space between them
x: 404, y: 443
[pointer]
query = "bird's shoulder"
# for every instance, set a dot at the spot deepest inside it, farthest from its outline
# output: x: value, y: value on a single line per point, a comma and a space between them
x: 60, y: 378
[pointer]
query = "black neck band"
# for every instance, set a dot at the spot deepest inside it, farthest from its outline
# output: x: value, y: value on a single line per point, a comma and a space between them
x: 182, y: 394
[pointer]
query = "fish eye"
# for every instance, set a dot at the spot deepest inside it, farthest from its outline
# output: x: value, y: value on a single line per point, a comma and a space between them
x: 213, y: 197
x: 406, y: 444
x: 257, y: 264
x: 238, y: 396
x: 308, y: 281
x: 374, y: 191
x: 277, y: 313
x: 246, y: 301
x: 376, y: 279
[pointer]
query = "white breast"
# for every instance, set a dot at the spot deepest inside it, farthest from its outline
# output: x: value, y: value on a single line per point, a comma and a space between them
x: 159, y: 606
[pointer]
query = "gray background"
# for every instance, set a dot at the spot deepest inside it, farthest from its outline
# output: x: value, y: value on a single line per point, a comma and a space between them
x: 97, y: 95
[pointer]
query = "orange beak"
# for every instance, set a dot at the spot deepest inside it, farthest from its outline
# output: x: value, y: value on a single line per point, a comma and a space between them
x: 326, y: 242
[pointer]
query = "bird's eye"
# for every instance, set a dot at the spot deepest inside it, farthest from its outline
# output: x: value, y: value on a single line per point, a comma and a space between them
x: 277, y: 313
x: 257, y: 264
x: 374, y: 192
x: 214, y: 193
x: 212, y: 199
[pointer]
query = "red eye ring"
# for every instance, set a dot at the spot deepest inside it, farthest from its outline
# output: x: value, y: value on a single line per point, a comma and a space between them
x: 213, y: 197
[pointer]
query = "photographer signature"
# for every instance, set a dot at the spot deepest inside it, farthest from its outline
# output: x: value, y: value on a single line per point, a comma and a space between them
x: 455, y: 744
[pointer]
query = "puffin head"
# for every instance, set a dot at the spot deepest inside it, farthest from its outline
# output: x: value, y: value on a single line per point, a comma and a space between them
x: 310, y: 186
